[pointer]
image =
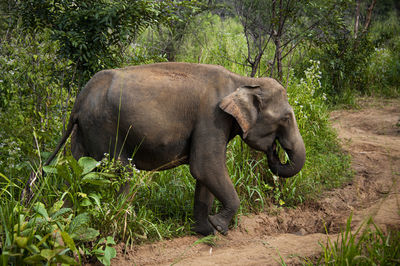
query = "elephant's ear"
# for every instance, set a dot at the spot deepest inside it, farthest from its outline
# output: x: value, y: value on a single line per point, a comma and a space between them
x: 243, y: 104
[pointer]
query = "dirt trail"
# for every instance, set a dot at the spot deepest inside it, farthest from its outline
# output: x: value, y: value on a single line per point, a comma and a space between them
x: 372, y: 136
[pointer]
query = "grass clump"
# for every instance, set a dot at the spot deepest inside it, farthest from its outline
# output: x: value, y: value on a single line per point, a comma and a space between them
x: 368, y: 245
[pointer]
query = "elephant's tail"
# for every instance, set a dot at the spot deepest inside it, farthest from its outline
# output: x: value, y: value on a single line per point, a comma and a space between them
x: 27, y: 193
x: 71, y: 125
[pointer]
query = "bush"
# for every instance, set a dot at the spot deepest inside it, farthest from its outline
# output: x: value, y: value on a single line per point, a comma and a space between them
x: 34, y: 96
x: 383, y: 72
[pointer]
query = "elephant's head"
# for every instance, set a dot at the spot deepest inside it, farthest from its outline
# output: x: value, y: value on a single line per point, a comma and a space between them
x: 265, y: 116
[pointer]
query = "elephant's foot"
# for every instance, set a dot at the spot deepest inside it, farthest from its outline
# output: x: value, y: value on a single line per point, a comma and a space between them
x: 220, y: 223
x: 204, y: 228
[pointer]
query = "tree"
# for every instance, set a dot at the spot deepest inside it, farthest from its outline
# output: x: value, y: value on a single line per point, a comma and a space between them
x: 93, y: 33
x: 171, y: 32
x: 273, y: 21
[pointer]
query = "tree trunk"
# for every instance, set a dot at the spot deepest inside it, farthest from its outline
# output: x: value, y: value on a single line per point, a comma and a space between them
x: 357, y: 19
x: 278, y: 56
x: 369, y: 15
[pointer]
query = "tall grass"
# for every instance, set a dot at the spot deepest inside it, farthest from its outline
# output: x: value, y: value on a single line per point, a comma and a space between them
x: 367, y: 245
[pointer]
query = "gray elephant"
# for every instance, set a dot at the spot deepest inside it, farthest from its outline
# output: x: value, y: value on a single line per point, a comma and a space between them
x: 169, y: 114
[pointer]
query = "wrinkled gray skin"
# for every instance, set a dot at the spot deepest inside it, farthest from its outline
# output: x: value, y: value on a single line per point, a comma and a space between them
x: 180, y: 113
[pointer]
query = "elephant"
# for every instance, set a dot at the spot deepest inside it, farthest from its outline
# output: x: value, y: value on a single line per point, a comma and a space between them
x: 168, y: 114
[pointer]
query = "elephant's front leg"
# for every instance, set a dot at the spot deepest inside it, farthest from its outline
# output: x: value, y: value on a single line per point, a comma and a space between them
x: 203, y: 200
x: 208, y: 167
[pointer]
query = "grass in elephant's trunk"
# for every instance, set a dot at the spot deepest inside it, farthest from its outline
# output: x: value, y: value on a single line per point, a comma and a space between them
x: 285, y: 162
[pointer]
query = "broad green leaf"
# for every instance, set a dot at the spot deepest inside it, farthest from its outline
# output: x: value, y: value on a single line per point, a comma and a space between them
x: 109, y: 253
x: 21, y: 241
x: 57, y: 206
x: 35, y: 223
x: 96, y: 198
x: 85, y: 202
x: 48, y: 254
x: 110, y: 240
x: 85, y: 234
x: 95, y: 179
x: 40, y: 209
x: 33, y: 248
x: 88, y: 164
x: 76, y: 167
x: 66, y: 259
x: 68, y: 241
x: 20, y: 226
x: 60, y: 213
x: 34, y: 259
x: 79, y: 221
x: 63, y: 172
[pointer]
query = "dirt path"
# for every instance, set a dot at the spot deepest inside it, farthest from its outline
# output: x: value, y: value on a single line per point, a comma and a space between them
x: 372, y: 136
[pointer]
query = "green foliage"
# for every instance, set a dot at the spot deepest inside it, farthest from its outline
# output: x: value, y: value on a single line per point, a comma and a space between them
x: 92, y: 34
x: 215, y: 41
x: 103, y: 250
x: 344, y: 61
x: 40, y: 235
x: 383, y: 72
x: 37, y: 233
x: 368, y: 245
x: 34, y: 93
x: 167, y: 38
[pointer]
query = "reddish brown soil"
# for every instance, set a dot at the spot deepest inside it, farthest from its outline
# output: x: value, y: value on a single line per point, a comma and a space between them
x: 371, y: 135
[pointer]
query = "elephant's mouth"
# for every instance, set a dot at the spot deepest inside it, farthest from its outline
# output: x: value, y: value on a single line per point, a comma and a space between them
x: 272, y: 153
x: 289, y: 168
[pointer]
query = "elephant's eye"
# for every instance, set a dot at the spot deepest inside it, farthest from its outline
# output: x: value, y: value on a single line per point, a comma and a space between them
x: 285, y: 119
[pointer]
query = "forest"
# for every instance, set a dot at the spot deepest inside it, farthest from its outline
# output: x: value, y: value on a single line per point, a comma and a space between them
x: 326, y: 53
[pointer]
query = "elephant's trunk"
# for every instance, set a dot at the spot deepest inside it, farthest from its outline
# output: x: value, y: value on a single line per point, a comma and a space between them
x: 297, y: 157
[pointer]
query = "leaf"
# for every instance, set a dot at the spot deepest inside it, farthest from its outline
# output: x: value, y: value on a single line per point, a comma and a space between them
x: 85, y: 203
x: 85, y: 234
x: 48, y: 254
x: 66, y: 259
x: 78, y: 222
x: 88, y: 164
x: 40, y: 209
x: 34, y: 259
x: 109, y: 253
x: 110, y: 240
x: 96, y: 199
x: 33, y: 248
x: 76, y: 167
x: 57, y: 206
x: 21, y: 241
x: 95, y: 179
x: 63, y: 172
x: 43, y: 240
x: 68, y: 241
x: 60, y: 213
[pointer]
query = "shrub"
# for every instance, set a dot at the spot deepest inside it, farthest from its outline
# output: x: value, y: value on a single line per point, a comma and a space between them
x: 34, y: 93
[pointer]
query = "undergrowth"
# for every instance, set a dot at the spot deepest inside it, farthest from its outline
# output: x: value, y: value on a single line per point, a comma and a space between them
x: 367, y: 245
